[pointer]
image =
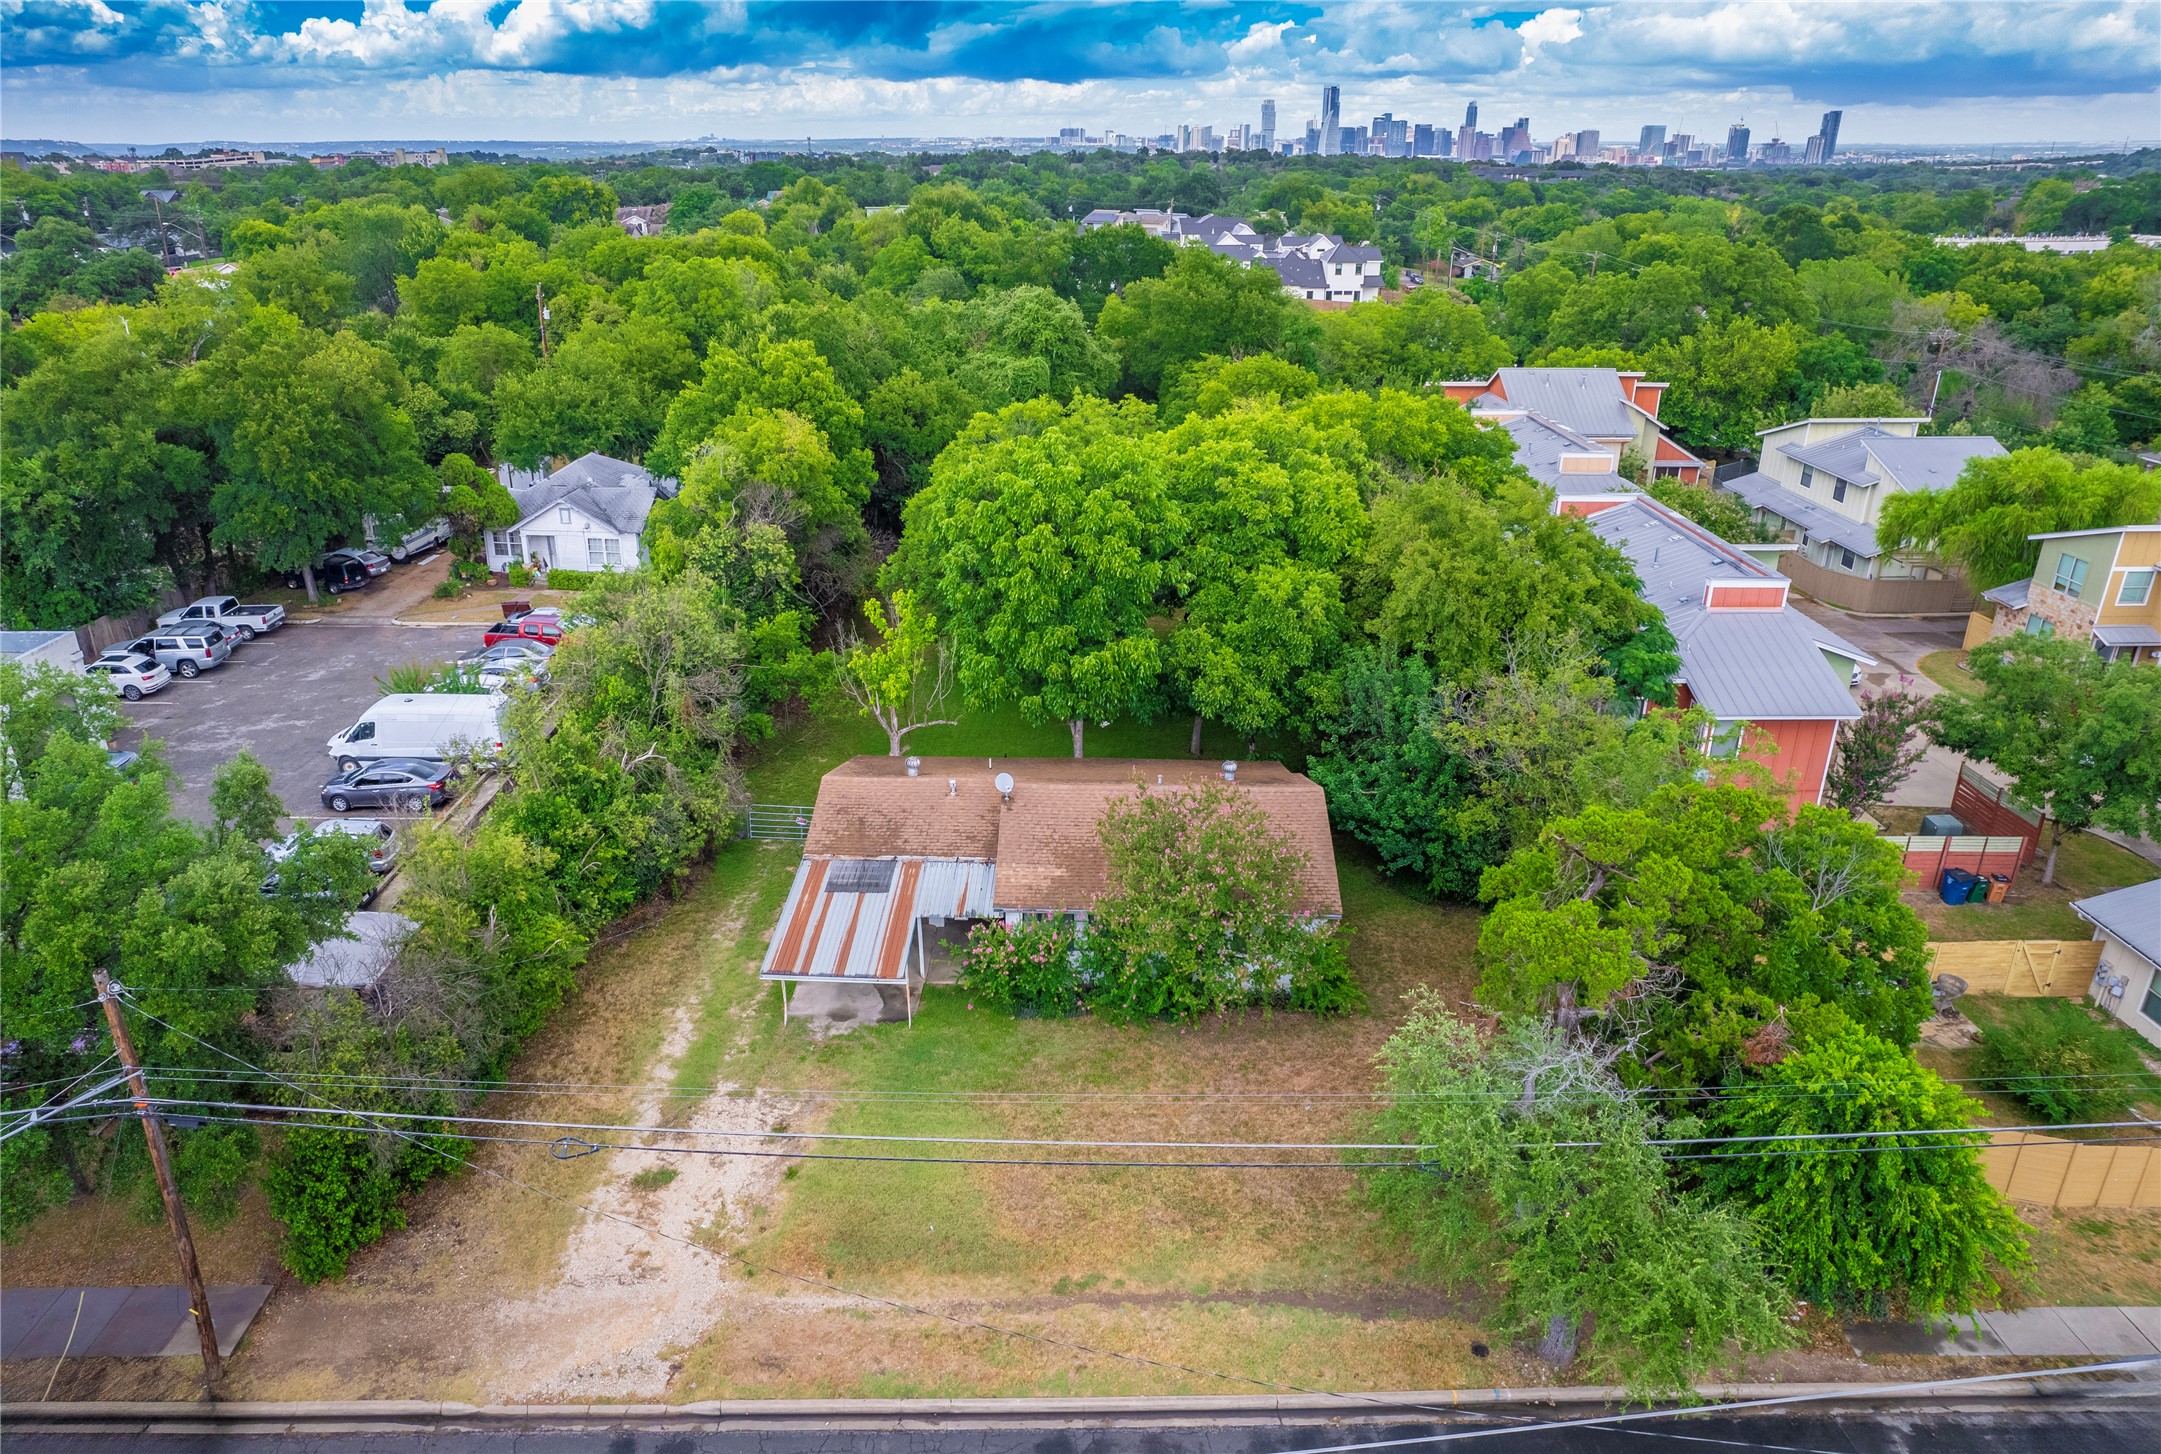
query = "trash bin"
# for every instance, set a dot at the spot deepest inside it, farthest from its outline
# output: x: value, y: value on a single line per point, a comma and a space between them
x: 1999, y: 885
x: 1978, y: 894
x: 1957, y: 886
x: 1942, y: 825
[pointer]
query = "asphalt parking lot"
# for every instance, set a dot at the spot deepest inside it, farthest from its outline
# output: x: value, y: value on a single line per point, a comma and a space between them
x: 280, y: 697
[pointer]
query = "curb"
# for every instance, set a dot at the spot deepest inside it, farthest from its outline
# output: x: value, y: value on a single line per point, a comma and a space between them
x: 1349, y: 1406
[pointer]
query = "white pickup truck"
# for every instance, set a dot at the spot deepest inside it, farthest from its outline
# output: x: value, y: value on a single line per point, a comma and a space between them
x: 246, y: 622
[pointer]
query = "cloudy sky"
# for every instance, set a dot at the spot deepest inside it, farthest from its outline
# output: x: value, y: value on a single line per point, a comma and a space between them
x: 1903, y: 70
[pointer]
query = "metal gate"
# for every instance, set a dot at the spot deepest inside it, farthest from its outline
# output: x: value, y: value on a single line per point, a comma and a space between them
x: 777, y: 820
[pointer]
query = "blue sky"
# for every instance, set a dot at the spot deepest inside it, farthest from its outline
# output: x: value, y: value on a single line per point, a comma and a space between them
x: 1903, y: 70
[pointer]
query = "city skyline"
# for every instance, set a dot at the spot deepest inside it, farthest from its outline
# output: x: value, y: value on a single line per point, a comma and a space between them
x: 634, y: 70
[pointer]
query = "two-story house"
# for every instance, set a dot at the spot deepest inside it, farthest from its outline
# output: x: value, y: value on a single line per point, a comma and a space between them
x: 1615, y: 410
x: 588, y: 515
x: 1778, y: 683
x: 1821, y: 484
x: 2089, y: 585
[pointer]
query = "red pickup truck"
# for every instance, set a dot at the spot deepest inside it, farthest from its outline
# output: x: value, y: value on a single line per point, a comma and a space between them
x: 547, y: 630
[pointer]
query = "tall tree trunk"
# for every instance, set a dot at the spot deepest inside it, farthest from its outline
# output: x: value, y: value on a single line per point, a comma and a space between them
x: 1076, y: 723
x: 1193, y: 749
x: 210, y: 557
x: 2055, y: 841
x: 307, y: 577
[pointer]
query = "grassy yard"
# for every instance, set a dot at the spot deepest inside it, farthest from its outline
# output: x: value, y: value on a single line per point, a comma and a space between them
x: 2087, y: 865
x: 1947, y: 669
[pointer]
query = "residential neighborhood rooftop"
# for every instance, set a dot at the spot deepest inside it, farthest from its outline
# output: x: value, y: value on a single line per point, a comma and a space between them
x: 2130, y: 916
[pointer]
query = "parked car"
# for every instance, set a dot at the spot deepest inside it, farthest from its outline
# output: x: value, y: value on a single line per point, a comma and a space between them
x: 502, y: 673
x: 546, y: 630
x: 124, y: 762
x: 246, y: 622
x: 427, y: 726
x: 373, y: 561
x: 130, y: 673
x: 187, y: 651
x: 412, y: 784
x: 503, y: 650
x: 378, y: 838
x: 335, y: 576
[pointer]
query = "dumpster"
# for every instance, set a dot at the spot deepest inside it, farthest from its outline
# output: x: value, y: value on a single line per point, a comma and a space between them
x: 1957, y: 885
x: 1942, y: 825
x: 1999, y: 885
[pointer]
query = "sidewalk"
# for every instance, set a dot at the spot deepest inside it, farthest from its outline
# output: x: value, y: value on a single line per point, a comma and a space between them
x: 2031, y: 1333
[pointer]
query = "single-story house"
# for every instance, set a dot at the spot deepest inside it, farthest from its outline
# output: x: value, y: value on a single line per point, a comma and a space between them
x: 588, y: 515
x: 357, y: 962
x: 30, y: 649
x: 903, y: 856
x: 2089, y: 585
x: 1619, y: 411
x: 1777, y: 683
x: 2128, y: 982
x: 1582, y: 473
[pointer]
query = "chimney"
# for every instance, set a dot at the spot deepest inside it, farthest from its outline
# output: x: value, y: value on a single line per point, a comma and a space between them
x: 1230, y: 771
x: 915, y: 765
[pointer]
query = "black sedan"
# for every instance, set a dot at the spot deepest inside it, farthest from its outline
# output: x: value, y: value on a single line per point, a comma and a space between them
x: 413, y: 784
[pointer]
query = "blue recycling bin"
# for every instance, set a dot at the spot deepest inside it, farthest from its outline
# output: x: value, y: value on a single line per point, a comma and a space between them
x: 1958, y: 886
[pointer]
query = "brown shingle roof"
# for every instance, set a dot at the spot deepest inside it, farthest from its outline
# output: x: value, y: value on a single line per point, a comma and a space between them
x: 1045, y: 843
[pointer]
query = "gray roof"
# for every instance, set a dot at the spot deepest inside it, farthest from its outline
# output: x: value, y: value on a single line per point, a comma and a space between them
x: 2015, y: 595
x: 1589, y: 401
x: 1540, y: 443
x: 1845, y: 455
x: 1299, y: 272
x: 1933, y: 463
x: 1753, y: 665
x: 1359, y: 253
x: 358, y: 962
x: 1816, y: 521
x: 19, y: 643
x: 617, y: 494
x: 2126, y: 634
x: 2131, y: 917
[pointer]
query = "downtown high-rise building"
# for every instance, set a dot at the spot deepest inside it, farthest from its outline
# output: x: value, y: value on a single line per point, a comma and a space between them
x: 1737, y: 142
x: 1331, y: 120
x: 1268, y: 126
x: 1828, y: 130
x: 1654, y: 137
x: 1470, y: 117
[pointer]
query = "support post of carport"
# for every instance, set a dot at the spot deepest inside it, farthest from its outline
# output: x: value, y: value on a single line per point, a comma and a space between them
x: 783, y: 1002
x: 922, y: 967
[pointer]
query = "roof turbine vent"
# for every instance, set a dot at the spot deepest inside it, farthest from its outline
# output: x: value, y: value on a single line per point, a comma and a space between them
x: 1230, y: 771
x: 915, y: 766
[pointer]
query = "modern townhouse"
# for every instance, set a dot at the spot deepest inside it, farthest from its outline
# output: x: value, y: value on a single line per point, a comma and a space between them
x: 2088, y: 585
x: 1615, y: 410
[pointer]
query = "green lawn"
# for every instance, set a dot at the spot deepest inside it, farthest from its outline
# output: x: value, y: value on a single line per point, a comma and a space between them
x: 1947, y: 669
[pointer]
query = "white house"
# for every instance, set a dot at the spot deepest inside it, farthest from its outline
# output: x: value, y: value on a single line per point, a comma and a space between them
x: 588, y: 515
x: 2128, y: 982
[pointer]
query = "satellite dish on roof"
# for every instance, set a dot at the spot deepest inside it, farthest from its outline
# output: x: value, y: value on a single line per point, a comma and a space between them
x: 1004, y: 784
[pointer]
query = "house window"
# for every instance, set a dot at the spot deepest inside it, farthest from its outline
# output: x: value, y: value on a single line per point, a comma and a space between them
x: 2137, y: 588
x: 2040, y: 626
x: 2150, y: 1006
x: 517, y: 546
x: 1808, y: 477
x: 1845, y: 558
x: 498, y: 542
x: 1838, y: 489
x: 604, y: 551
x: 2070, y: 575
x: 1725, y: 739
x: 562, y: 516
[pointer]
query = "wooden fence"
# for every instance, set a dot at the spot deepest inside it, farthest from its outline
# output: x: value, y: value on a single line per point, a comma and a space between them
x: 1929, y: 856
x: 109, y: 630
x: 1895, y: 597
x: 2026, y: 968
x: 1986, y: 806
x: 2050, y: 1172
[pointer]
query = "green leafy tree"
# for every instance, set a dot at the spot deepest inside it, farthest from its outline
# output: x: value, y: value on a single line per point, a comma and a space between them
x: 242, y: 802
x: 1884, y: 1222
x: 1427, y: 337
x: 786, y: 375
x: 40, y: 701
x: 1862, y: 401
x: 311, y: 440
x: 2075, y: 734
x: 1213, y: 385
x: 1878, y: 750
x: 1547, y: 1178
x: 1045, y: 541
x: 908, y: 419
x: 1201, y: 305
x: 1201, y: 911
x: 903, y: 680
x: 474, y: 501
x: 1724, y: 515
x: 1107, y: 260
x: 1982, y: 522
x: 608, y: 388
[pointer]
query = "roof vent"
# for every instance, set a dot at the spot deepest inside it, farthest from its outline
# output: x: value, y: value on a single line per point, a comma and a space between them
x: 1004, y: 784
x: 915, y: 766
x: 952, y: 787
x: 1230, y: 771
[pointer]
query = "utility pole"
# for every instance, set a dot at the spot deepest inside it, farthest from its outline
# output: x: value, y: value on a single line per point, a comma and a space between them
x: 176, y: 1216
x: 541, y: 304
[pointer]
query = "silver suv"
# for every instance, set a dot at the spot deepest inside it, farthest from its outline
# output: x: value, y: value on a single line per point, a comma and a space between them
x: 186, y: 651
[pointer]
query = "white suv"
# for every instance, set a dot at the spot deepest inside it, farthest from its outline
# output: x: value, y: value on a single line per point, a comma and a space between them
x: 131, y: 674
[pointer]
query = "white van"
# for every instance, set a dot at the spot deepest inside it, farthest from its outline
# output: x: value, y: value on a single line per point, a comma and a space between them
x: 436, y: 725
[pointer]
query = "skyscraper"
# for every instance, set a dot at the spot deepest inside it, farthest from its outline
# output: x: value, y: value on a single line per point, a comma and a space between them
x: 1422, y: 143
x: 1829, y: 132
x: 1737, y: 142
x: 1268, y: 126
x: 1654, y: 137
x: 1470, y: 117
x: 1331, y: 120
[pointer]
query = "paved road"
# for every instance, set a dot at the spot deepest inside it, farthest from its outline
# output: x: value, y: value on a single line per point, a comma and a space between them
x: 2021, y: 1429
x: 1898, y: 643
x: 280, y: 697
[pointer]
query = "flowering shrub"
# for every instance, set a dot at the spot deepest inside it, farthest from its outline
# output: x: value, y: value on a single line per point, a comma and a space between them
x: 1029, y: 967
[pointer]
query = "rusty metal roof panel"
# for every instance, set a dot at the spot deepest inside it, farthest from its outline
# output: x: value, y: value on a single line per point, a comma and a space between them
x: 854, y: 919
